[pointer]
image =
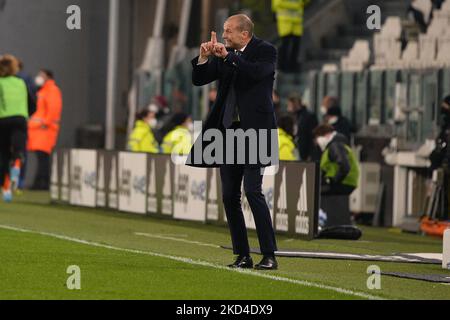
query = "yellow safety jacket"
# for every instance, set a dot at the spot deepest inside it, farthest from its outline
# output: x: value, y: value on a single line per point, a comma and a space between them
x: 179, y: 141
x: 142, y: 139
x: 288, y: 151
x: 289, y: 16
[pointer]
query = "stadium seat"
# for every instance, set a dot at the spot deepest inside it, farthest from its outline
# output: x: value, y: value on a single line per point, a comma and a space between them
x: 392, y: 27
x: 330, y: 68
x: 387, y: 45
x: 428, y: 50
x: 443, y: 55
x: 358, y: 57
x: 410, y: 56
x: 387, y: 51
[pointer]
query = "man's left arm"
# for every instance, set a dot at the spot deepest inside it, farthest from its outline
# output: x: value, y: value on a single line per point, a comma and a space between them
x: 338, y: 154
x: 263, y: 67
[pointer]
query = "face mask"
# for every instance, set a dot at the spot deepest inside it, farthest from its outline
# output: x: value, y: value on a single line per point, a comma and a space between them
x: 39, y: 81
x: 323, y: 142
x: 152, y: 123
x: 323, y: 110
x: 333, y: 120
x: 190, y: 127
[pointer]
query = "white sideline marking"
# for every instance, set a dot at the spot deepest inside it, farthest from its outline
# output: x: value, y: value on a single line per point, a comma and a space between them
x: 148, y: 235
x: 200, y: 263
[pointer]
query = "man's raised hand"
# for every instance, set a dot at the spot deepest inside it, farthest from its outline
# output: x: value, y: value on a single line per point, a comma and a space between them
x: 207, y: 48
x: 220, y: 50
x: 213, y: 38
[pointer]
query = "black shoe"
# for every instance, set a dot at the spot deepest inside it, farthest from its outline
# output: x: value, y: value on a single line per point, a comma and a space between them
x: 242, y: 262
x: 267, y: 263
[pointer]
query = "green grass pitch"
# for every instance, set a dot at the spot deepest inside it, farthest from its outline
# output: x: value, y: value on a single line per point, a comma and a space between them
x: 124, y: 256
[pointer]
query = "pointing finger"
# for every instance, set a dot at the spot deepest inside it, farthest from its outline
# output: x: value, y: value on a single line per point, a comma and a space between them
x: 213, y: 37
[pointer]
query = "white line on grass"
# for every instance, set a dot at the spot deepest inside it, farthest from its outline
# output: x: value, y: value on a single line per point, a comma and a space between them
x: 200, y: 263
x: 155, y: 236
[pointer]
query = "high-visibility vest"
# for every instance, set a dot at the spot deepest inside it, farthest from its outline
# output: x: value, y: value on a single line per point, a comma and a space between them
x: 13, y: 97
x: 330, y: 169
x: 289, y: 16
x: 178, y: 141
x: 288, y: 151
x: 142, y: 139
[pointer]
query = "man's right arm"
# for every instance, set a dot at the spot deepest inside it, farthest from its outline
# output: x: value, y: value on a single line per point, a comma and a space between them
x: 204, y: 72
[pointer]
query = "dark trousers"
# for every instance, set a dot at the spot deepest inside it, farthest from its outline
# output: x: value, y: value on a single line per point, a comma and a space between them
x: 289, y: 53
x: 232, y: 176
x: 42, y: 179
x: 337, y: 190
x: 13, y: 137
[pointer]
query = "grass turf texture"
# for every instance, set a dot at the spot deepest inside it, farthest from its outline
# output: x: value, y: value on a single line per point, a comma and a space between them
x: 34, y: 266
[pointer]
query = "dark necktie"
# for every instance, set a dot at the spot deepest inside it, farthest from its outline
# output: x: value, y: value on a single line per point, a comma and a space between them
x: 231, y: 101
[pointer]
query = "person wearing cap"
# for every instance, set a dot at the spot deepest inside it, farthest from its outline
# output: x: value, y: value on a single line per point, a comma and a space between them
x: 332, y: 115
x: 142, y: 139
x: 179, y: 138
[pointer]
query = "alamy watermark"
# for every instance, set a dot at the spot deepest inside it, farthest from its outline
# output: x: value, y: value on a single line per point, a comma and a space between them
x: 374, y: 19
x: 231, y: 147
x: 73, y: 21
x: 374, y: 280
x: 74, y: 280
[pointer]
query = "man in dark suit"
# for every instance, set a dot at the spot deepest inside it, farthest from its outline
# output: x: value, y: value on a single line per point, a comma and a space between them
x: 245, y: 69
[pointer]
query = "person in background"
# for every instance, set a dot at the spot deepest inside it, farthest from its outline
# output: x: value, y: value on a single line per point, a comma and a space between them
x: 142, y: 138
x: 289, y: 14
x: 163, y: 107
x: 339, y: 165
x: 13, y: 125
x: 44, y: 125
x: 179, y: 101
x: 440, y: 157
x: 179, y: 138
x: 31, y: 88
x: 306, y: 121
x: 277, y: 104
x: 212, y: 97
x: 332, y: 115
x: 163, y: 116
x: 288, y: 149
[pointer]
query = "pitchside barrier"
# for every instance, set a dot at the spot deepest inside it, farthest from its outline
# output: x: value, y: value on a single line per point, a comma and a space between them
x: 153, y: 185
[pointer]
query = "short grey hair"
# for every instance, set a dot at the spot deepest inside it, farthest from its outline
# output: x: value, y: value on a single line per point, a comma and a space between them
x: 244, y: 23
